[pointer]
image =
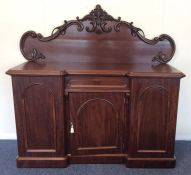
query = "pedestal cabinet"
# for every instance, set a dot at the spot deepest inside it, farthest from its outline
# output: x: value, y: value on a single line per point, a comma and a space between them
x: 39, y: 107
x: 152, y: 121
x: 96, y: 91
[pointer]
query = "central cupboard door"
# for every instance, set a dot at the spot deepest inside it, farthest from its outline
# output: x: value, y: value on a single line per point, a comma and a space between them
x: 96, y: 123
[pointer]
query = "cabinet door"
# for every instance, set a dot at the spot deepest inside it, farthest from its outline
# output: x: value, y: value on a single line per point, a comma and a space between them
x: 153, y: 117
x: 39, y: 116
x: 96, y: 123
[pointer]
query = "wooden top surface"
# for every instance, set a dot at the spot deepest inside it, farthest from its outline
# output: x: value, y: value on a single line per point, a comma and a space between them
x: 55, y: 68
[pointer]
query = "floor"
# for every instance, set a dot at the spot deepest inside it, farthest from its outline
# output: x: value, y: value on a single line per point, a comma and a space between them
x: 8, y: 152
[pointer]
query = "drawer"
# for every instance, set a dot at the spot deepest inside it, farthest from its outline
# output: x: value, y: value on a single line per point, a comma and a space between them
x: 96, y: 84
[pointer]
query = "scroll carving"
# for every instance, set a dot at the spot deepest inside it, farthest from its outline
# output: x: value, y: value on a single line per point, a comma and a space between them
x: 137, y: 32
x: 99, y: 22
x: 99, y: 18
x: 34, y: 54
x: 162, y: 57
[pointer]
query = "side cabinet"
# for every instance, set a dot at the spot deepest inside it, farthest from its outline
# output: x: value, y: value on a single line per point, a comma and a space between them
x: 39, y: 109
x: 153, y: 110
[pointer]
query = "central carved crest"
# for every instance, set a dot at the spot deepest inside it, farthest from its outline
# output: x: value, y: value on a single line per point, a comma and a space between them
x: 99, y: 19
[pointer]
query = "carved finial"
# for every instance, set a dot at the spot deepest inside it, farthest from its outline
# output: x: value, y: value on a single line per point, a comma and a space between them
x: 99, y: 19
x: 98, y: 6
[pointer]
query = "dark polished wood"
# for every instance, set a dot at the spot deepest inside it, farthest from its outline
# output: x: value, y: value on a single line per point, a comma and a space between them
x: 97, y: 122
x: 99, y: 158
x: 40, y: 122
x: 130, y: 70
x: 150, y: 123
x: 94, y: 92
x: 151, y: 162
x: 97, y: 35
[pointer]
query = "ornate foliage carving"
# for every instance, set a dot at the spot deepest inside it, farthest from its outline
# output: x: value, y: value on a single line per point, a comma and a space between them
x: 34, y: 54
x: 137, y: 32
x: 162, y: 57
x: 98, y: 20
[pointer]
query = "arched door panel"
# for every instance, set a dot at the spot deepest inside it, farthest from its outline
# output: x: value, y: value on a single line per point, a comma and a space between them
x: 95, y: 123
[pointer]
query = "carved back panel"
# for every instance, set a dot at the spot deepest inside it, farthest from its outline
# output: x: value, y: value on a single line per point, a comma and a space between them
x: 97, y: 38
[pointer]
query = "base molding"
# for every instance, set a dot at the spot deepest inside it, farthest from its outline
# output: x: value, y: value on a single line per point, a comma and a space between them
x: 98, y: 158
x: 42, y: 162
x: 62, y: 162
x: 151, y: 162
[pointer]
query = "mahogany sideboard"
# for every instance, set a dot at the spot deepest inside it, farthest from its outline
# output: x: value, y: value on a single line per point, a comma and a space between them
x: 96, y: 91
